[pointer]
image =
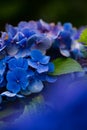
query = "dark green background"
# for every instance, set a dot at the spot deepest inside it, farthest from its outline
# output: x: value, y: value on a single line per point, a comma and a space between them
x: 13, y: 11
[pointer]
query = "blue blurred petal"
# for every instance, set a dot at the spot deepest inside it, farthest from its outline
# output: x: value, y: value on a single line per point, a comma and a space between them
x: 1, y: 79
x: 42, y: 68
x: 67, y: 26
x: 12, y: 49
x: 8, y: 94
x: 51, y: 79
x: 26, y: 92
x: 10, y: 29
x: 43, y: 26
x: 35, y: 86
x: 2, y: 67
x: 22, y: 24
x: 65, y: 52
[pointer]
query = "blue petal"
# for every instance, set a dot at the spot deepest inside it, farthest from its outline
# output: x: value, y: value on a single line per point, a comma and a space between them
x: 22, y: 42
x: 43, y: 26
x: 45, y: 60
x: 2, y: 67
x: 30, y: 73
x: 19, y: 36
x: 65, y: 52
x: 13, y: 87
x: 51, y: 79
x: 27, y: 32
x: 22, y: 24
x: 32, y: 63
x: 11, y: 30
x: 41, y: 76
x: 26, y: 92
x: 24, y: 83
x: 14, y: 63
x: 23, y: 52
x: 42, y: 68
x: 36, y: 55
x: 42, y: 43
x: 1, y: 79
x: 19, y: 73
x: 12, y: 49
x: 67, y: 26
x: 36, y: 86
x: 8, y: 94
x: 11, y: 77
x: 16, y: 74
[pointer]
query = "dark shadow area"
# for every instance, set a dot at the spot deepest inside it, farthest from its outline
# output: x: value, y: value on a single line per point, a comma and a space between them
x: 13, y: 11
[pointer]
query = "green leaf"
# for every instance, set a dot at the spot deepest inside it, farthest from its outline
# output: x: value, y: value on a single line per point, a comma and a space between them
x: 83, y: 37
x: 66, y: 65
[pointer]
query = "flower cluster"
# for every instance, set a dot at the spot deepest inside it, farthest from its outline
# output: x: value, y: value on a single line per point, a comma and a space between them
x: 25, y: 55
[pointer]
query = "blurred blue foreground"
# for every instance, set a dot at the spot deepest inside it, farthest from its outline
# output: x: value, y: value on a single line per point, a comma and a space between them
x: 61, y: 106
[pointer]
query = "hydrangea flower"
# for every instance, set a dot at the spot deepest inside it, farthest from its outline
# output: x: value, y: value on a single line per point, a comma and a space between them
x: 39, y: 61
x: 18, y: 63
x: 17, y: 80
x: 26, y: 51
x: 64, y: 39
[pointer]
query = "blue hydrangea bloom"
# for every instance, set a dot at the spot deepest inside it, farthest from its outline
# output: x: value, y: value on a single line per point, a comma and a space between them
x: 64, y: 40
x: 39, y: 61
x: 18, y: 63
x: 17, y: 80
x: 24, y: 66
